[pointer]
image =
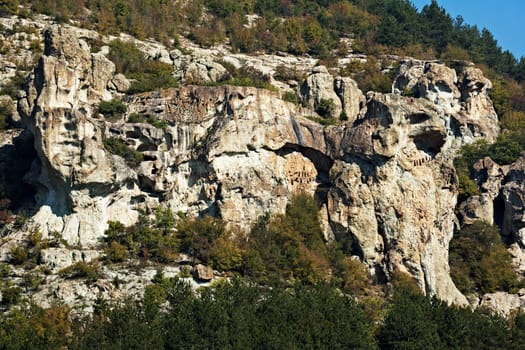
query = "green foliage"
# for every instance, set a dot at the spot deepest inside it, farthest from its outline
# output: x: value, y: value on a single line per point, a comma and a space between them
x: 323, y: 121
x: 409, y: 324
x: 369, y: 75
x: 505, y: 150
x: 208, y: 33
x: 238, y: 314
x: 11, y: 295
x: 229, y: 315
x: 4, y: 270
x: 19, y: 255
x: 325, y: 108
x: 208, y: 240
x: 88, y: 271
x: 116, y: 252
x: 297, y: 27
x: 8, y: 7
x: 148, y: 239
x: 31, y: 327
x: 147, y: 75
x: 479, y: 262
x: 146, y: 118
x: 349, y: 274
x: 116, y: 146
x: 246, y: 76
x: 14, y: 85
x: 6, y: 114
x: 285, y: 73
x: 226, y: 254
x: 289, y: 246
x: 291, y: 97
x: 112, y: 109
x: 417, y: 322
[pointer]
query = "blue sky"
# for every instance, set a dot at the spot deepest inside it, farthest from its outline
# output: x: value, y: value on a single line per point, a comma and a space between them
x: 504, y: 18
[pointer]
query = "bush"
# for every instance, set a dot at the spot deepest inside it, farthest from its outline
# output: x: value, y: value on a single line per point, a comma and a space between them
x: 116, y: 252
x: 369, y: 75
x: 81, y: 269
x: 11, y: 295
x: 291, y: 97
x: 289, y: 246
x: 148, y: 239
x: 146, y: 118
x: 147, y: 75
x: 112, y: 109
x: 117, y: 147
x: 245, y: 76
x: 479, y: 262
x: 284, y: 73
x: 14, y: 85
x: 197, y: 236
x: 6, y: 114
x: 225, y: 254
x: 19, y: 255
x: 4, y: 270
x: 325, y: 108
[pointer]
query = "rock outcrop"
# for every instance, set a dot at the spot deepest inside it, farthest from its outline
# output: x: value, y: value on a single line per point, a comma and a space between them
x: 385, y: 177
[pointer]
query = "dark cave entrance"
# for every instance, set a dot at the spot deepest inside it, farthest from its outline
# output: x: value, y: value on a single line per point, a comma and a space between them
x: 499, y: 210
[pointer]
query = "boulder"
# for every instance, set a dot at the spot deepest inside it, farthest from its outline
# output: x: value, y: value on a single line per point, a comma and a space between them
x: 203, y: 273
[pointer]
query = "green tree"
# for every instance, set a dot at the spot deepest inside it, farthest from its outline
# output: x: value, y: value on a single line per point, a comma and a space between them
x: 479, y: 262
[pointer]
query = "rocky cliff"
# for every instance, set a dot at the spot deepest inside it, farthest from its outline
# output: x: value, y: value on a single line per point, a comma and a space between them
x: 384, y: 177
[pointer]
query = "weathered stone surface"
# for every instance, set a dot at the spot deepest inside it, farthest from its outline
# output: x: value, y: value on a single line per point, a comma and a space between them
x: 318, y: 88
x: 504, y: 303
x: 239, y: 152
x: 489, y: 176
x: 463, y: 95
x: 513, y: 193
x: 68, y: 140
x: 203, y: 273
x: 477, y: 208
x: 352, y: 99
x: 59, y: 258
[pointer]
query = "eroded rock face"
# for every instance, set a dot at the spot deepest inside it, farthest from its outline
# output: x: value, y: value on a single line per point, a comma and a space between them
x: 341, y: 94
x: 384, y: 178
x: 462, y: 95
x: 513, y: 193
x: 73, y: 173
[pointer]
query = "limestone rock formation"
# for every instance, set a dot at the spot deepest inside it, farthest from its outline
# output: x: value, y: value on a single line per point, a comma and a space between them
x: 477, y: 208
x: 332, y: 97
x: 384, y: 178
x: 462, y: 95
x: 504, y: 303
x: 513, y: 193
x: 72, y: 173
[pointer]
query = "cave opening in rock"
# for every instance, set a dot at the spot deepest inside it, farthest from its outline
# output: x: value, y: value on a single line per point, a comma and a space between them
x: 429, y: 141
x: 322, y: 164
x: 416, y: 118
x: 499, y: 210
x: 15, y: 163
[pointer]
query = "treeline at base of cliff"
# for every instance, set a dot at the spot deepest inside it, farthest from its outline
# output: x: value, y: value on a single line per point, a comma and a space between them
x: 241, y: 315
